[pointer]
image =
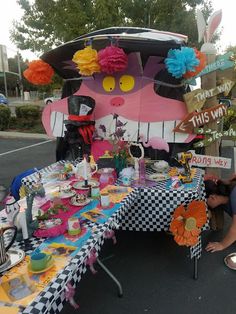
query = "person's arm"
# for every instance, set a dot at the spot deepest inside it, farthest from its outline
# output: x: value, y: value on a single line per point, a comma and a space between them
x: 227, y: 241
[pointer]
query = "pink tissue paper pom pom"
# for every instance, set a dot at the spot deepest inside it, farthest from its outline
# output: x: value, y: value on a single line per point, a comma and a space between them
x: 112, y: 59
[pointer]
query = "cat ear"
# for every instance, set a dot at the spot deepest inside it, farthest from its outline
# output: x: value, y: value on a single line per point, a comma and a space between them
x: 213, y: 23
x: 201, y: 25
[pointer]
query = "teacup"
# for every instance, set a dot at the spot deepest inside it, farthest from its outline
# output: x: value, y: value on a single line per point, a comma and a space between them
x: 39, y: 261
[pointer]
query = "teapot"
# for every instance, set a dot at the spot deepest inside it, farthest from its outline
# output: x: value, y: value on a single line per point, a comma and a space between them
x: 3, y: 249
x: 85, y: 170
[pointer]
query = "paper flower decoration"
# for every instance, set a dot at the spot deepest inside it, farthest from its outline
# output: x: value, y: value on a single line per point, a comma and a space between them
x: 202, y: 63
x: 112, y: 59
x: 179, y: 61
x: 186, y: 223
x: 39, y: 72
x: 87, y: 61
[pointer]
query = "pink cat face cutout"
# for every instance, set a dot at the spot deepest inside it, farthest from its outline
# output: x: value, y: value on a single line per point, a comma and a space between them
x: 131, y: 96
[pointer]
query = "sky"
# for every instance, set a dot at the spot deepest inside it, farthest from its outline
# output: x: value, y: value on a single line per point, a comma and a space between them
x: 10, y: 11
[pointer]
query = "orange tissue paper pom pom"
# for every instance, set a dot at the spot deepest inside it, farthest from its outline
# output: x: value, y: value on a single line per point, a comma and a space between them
x: 202, y: 58
x: 39, y: 72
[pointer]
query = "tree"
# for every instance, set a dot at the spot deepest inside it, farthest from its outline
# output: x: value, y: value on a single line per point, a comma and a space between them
x: 47, y: 24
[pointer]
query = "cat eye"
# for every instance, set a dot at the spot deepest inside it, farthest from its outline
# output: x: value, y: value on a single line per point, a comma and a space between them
x: 127, y: 83
x: 109, y: 83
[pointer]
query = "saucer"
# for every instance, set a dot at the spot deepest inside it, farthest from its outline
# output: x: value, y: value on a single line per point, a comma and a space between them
x: 63, y: 195
x: 230, y: 261
x: 79, y: 185
x: 49, y: 223
x: 74, y: 203
x: 49, y: 266
x: 158, y: 177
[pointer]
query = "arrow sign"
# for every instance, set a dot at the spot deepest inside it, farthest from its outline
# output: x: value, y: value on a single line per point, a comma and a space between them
x: 222, y: 63
x: 209, y: 161
x: 196, y: 99
x: 197, y: 119
x: 214, y: 135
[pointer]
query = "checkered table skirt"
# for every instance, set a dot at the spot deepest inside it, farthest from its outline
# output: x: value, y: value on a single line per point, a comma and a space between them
x: 153, y: 208
x: 52, y: 298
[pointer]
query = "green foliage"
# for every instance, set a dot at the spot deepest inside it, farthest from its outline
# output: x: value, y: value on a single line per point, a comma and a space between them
x: 230, y: 118
x: 5, y: 114
x: 46, y: 24
x: 28, y: 112
x: 27, y: 115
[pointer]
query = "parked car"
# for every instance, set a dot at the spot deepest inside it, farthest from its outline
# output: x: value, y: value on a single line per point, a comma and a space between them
x: 225, y: 101
x: 56, y: 96
x: 3, y: 99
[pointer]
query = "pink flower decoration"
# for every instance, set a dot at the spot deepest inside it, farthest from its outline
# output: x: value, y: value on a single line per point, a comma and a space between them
x: 76, y: 225
x: 112, y: 59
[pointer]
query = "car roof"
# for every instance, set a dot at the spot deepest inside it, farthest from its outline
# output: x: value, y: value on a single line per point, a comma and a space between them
x: 149, y: 42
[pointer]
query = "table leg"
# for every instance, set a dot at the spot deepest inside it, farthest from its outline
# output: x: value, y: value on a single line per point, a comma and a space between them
x: 195, y: 272
x: 120, y: 293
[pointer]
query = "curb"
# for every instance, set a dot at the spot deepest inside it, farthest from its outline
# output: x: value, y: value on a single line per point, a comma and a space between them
x: 24, y: 135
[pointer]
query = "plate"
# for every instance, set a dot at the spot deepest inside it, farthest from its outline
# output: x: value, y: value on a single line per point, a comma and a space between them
x: 230, y: 261
x: 49, y: 223
x: 74, y: 203
x: 158, y: 177
x: 166, y: 169
x: 16, y: 256
x: 79, y: 185
x: 49, y: 266
x: 66, y: 195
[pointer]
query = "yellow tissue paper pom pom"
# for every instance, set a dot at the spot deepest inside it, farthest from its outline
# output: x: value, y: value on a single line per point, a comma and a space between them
x: 87, y: 61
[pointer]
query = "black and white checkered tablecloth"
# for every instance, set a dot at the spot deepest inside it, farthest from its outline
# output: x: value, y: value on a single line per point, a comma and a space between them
x: 153, y: 208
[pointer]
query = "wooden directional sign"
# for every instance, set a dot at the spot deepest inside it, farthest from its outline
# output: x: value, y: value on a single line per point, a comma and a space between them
x: 215, y: 135
x: 197, y: 119
x: 210, y: 161
x: 196, y: 99
x: 221, y: 63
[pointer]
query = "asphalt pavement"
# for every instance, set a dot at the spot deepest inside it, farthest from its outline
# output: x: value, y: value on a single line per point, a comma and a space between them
x: 155, y: 273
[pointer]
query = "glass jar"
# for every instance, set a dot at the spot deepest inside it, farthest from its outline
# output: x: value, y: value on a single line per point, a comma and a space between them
x: 106, y: 177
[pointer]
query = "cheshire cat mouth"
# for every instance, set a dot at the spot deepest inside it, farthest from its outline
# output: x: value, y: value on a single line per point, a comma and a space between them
x: 133, y: 129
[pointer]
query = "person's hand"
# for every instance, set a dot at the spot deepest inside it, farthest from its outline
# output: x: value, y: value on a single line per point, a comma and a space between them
x: 233, y: 177
x: 214, y: 247
x: 212, y: 177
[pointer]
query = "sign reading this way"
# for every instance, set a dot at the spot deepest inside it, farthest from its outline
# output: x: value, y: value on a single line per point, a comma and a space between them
x: 197, y: 119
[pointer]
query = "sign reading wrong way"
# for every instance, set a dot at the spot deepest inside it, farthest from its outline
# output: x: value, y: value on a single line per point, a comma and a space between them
x: 210, y: 161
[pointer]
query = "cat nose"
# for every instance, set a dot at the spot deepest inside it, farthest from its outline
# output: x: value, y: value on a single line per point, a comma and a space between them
x: 117, y: 101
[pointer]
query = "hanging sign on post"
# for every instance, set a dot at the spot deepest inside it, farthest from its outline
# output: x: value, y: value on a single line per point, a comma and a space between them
x: 196, y: 99
x: 223, y: 62
x: 197, y: 119
x: 210, y: 161
x: 214, y: 135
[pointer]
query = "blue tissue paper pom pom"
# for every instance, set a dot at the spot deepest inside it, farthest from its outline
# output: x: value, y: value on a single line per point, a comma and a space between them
x: 180, y: 61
